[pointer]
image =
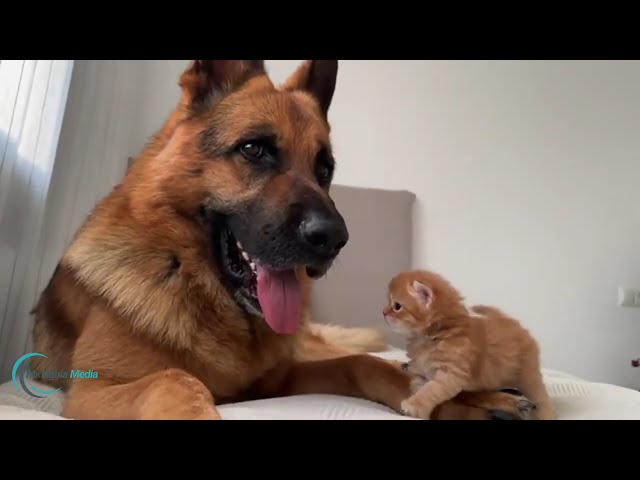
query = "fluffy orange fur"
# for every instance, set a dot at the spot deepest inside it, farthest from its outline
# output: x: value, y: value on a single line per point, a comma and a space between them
x: 452, y: 349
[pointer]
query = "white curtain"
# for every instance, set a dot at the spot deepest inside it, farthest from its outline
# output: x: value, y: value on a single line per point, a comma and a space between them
x: 33, y: 97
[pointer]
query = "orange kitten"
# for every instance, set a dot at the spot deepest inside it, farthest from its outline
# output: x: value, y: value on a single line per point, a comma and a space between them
x: 452, y: 350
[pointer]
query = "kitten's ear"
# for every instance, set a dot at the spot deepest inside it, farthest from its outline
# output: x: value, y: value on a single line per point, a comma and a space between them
x: 422, y: 293
x: 205, y: 78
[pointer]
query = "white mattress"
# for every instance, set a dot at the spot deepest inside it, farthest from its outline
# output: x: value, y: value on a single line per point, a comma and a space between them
x: 574, y: 399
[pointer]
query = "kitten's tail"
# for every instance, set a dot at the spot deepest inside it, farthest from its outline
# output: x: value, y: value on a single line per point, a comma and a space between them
x: 488, y: 311
x: 357, y: 339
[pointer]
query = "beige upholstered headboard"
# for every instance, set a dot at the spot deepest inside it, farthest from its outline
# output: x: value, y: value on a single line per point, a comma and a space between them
x: 380, y: 227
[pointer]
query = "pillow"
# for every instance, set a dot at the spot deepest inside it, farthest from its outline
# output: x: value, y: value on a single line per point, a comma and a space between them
x: 380, y: 229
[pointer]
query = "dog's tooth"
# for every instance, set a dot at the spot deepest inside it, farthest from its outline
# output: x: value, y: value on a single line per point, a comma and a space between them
x: 245, y: 256
x: 238, y: 244
x: 253, y: 266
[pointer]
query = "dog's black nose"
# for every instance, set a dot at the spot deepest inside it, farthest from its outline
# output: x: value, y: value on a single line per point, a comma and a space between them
x: 324, y: 232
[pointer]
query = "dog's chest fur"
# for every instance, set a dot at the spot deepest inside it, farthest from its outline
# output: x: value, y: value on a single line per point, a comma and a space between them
x: 426, y: 354
x: 156, y: 303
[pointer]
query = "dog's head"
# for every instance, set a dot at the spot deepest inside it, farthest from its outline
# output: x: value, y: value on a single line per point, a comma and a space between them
x: 255, y: 165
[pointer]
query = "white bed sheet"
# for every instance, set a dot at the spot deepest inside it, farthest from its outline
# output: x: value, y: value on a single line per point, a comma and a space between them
x: 574, y: 399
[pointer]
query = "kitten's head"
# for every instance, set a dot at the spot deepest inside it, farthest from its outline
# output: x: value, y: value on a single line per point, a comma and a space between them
x: 419, y: 298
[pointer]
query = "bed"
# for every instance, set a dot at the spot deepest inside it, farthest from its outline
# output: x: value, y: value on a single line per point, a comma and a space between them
x: 344, y: 297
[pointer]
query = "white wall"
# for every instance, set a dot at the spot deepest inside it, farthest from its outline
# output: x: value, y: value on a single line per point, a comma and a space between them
x: 525, y: 174
x: 527, y: 181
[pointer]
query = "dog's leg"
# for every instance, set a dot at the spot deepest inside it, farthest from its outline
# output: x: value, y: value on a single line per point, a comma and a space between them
x: 483, y: 405
x: 167, y: 395
x: 375, y: 379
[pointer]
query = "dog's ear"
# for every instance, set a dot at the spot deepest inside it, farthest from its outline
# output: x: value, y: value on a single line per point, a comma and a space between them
x: 204, y: 79
x: 318, y: 77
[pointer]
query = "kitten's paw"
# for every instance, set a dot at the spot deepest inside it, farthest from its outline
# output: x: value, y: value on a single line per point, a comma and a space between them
x: 416, y: 383
x: 411, y: 408
x: 543, y: 411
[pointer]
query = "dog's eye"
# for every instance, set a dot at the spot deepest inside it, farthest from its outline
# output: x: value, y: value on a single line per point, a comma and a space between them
x: 324, y: 174
x: 252, y: 149
x: 397, y: 307
x: 261, y: 151
x: 324, y: 167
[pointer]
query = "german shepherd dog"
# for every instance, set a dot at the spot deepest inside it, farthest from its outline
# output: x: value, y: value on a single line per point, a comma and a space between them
x: 188, y: 285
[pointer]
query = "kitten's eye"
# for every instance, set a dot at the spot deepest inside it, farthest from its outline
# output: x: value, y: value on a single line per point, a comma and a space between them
x: 252, y: 150
x: 397, y: 307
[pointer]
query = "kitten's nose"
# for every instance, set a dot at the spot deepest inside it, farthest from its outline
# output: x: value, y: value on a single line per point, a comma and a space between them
x: 385, y: 311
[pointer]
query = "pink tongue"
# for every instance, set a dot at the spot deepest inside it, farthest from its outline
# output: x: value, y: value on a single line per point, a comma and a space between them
x: 280, y: 299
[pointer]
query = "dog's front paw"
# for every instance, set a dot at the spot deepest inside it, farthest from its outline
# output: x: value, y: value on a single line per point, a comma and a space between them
x: 411, y: 408
x: 524, y: 408
x: 207, y: 413
x: 397, y: 363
